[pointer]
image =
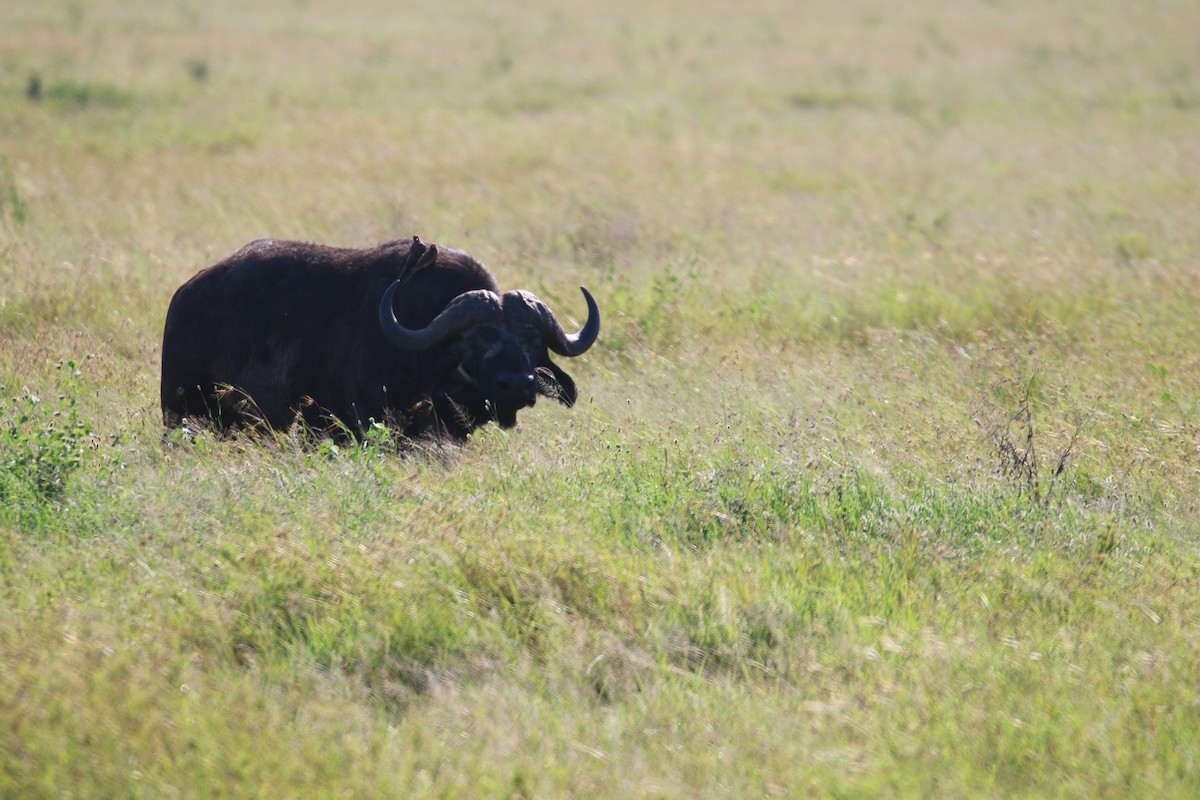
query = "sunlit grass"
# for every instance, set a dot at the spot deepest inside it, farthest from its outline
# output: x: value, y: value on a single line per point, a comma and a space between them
x: 882, y: 481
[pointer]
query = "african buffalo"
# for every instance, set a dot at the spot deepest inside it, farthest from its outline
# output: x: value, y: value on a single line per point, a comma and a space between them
x: 416, y: 336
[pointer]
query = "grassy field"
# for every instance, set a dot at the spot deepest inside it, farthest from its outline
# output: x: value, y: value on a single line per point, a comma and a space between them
x: 883, y: 481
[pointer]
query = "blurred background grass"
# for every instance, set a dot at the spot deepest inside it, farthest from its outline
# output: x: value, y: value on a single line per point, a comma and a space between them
x: 883, y: 480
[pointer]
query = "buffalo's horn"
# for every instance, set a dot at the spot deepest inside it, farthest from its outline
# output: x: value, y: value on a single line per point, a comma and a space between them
x: 477, y: 307
x: 528, y: 306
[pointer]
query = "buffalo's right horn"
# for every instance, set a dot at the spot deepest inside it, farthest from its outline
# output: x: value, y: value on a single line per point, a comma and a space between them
x: 526, y: 306
x: 477, y: 307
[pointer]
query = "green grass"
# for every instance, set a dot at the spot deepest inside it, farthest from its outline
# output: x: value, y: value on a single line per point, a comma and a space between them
x: 882, y: 482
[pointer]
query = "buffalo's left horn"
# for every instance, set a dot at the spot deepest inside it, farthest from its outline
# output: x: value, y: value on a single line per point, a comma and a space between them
x: 529, y: 305
x: 476, y: 307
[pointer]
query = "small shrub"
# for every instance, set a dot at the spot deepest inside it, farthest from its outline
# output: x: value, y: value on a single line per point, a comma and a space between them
x: 41, y: 444
x: 1015, y: 441
x: 198, y: 69
x: 1130, y: 248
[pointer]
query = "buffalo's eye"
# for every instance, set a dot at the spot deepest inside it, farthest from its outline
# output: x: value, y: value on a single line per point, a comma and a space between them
x: 493, y: 351
x: 530, y: 339
x: 480, y: 344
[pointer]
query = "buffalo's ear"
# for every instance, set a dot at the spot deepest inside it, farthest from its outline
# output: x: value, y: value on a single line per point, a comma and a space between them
x: 553, y: 382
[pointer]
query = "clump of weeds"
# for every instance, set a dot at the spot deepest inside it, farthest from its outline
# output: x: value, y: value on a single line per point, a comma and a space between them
x: 1025, y: 451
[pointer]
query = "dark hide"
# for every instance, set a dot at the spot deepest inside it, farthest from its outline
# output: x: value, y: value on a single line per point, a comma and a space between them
x: 285, y: 329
